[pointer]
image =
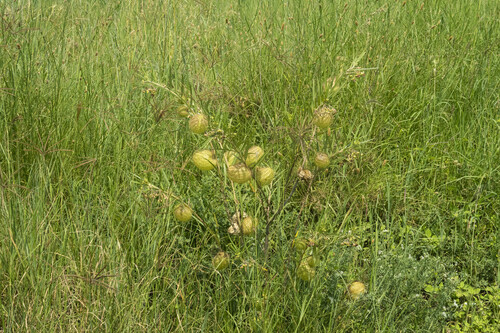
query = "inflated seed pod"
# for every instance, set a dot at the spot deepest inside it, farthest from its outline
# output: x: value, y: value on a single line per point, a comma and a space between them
x: 300, y: 245
x: 198, y: 123
x: 239, y: 173
x: 312, y: 261
x: 254, y: 155
x: 231, y: 158
x: 322, y: 160
x: 305, y: 272
x: 356, y: 289
x: 183, y: 212
x: 248, y: 226
x: 221, y: 261
x: 323, y: 117
x: 183, y: 111
x: 205, y: 159
x: 264, y: 176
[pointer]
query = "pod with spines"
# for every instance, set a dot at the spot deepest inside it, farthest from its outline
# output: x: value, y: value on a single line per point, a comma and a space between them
x: 312, y: 261
x: 300, y: 245
x: 183, y: 111
x: 231, y: 158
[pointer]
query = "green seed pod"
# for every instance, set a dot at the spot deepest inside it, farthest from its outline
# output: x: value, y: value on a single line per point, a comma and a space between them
x: 239, y: 173
x: 198, y: 123
x: 264, y: 176
x: 322, y: 160
x: 300, y: 245
x: 356, y: 289
x: 183, y: 111
x: 220, y: 261
x: 183, y: 212
x: 323, y: 117
x: 254, y: 154
x: 305, y: 272
x: 231, y: 158
x: 248, y: 226
x: 205, y: 159
x: 312, y: 261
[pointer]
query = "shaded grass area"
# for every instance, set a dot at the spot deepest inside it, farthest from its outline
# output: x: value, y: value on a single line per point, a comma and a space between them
x: 92, y: 150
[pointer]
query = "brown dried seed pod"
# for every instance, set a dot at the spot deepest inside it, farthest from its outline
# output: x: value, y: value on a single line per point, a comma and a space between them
x: 305, y: 174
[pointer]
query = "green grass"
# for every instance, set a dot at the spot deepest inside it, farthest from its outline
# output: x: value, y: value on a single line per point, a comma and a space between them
x: 93, y: 158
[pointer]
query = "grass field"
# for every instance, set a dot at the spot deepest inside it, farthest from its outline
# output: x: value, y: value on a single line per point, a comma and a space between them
x: 94, y: 157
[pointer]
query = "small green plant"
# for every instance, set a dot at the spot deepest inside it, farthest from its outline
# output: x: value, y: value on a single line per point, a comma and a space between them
x: 476, y: 310
x: 258, y: 178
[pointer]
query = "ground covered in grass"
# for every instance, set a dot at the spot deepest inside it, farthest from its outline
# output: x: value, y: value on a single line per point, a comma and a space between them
x: 94, y: 157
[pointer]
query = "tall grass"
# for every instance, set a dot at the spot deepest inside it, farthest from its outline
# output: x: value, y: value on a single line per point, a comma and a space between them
x: 92, y: 154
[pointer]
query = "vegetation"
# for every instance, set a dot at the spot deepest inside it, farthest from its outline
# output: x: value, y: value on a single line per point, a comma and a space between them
x: 368, y: 202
